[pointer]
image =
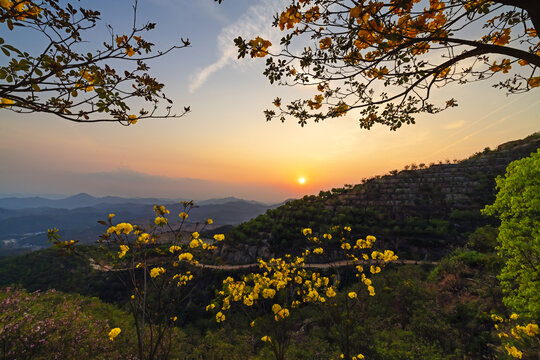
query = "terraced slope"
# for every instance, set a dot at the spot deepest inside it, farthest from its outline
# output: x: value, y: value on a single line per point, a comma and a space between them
x: 421, y: 212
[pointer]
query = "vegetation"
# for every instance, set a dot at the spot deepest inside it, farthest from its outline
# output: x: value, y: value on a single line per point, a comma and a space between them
x: 518, y: 207
x: 68, y: 79
x: 348, y: 50
x: 421, y: 214
x: 441, y: 312
x: 327, y: 296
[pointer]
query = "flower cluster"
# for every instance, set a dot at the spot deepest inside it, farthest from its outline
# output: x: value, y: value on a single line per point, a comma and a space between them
x: 518, y: 339
x: 114, y: 333
x: 287, y: 275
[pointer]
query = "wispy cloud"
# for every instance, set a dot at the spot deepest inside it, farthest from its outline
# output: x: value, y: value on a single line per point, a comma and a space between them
x: 489, y: 125
x: 256, y: 20
x: 455, y: 125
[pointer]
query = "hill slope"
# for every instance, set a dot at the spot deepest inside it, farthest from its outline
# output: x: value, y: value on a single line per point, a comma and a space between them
x: 421, y: 212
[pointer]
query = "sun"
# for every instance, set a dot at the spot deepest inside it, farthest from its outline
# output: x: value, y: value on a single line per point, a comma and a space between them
x: 302, y: 180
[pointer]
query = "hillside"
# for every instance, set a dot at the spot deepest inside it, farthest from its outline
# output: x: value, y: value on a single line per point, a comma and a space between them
x: 422, y: 212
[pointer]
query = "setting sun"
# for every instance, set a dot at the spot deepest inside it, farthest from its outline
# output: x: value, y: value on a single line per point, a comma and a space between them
x: 302, y: 180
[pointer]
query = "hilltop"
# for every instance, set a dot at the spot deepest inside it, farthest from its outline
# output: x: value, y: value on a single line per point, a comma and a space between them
x: 422, y: 211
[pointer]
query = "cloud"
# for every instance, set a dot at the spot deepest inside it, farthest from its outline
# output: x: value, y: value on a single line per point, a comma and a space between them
x: 256, y: 20
x: 490, y: 124
x: 455, y: 125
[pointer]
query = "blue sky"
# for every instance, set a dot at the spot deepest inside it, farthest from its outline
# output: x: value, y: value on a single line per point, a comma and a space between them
x: 224, y: 147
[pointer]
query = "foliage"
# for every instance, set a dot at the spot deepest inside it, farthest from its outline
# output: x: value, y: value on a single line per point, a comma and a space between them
x: 152, y: 272
x: 418, y: 311
x: 68, y: 79
x: 518, y: 206
x: 52, y: 325
x: 288, y: 283
x: 516, y: 336
x: 384, y: 58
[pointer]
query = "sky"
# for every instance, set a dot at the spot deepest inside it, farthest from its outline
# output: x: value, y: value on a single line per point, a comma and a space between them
x: 224, y: 147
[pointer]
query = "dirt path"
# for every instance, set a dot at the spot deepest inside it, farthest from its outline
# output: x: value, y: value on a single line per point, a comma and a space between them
x: 339, y: 263
x: 334, y: 264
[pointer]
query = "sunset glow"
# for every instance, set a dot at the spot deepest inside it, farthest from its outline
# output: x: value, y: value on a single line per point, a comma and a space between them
x: 224, y: 146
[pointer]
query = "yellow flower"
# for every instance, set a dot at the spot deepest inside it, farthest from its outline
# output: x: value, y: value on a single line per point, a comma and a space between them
x: 513, y: 351
x: 194, y: 243
x: 125, y: 228
x: 144, y: 238
x: 220, y: 317
x: 209, y: 221
x: 341, y: 109
x: 318, y: 251
x: 160, y: 220
x: 183, y: 215
x: 185, y: 256
x: 306, y: 231
x: 266, y: 339
x: 268, y: 293
x: 330, y: 292
x: 252, y: 324
x: 129, y: 51
x: 352, y: 295
x: 195, y: 235
x: 6, y: 4
x: 6, y: 102
x: 259, y: 47
x: 219, y: 237
x: 504, y: 66
x: 132, y: 119
x: 532, y: 329
x: 289, y: 17
x: 123, y: 250
x: 325, y: 43
x: 514, y: 316
x: 114, y: 333
x: 534, y: 81
x: 157, y: 271
x: 248, y: 300
x: 174, y: 248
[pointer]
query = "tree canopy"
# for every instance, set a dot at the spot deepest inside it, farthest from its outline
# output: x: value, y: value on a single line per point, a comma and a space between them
x: 384, y: 58
x: 67, y: 79
x: 518, y: 206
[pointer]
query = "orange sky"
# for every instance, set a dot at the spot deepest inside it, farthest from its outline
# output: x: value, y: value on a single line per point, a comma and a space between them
x: 224, y: 145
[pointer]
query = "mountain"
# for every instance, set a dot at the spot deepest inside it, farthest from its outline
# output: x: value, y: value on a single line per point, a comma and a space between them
x: 422, y: 212
x: 86, y: 200
x: 26, y: 227
x: 75, y: 201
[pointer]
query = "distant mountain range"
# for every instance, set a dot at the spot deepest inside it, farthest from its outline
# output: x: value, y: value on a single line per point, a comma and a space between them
x: 86, y: 200
x: 24, y: 221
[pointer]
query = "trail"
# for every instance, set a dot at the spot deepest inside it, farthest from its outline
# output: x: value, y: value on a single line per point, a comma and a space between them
x: 333, y: 264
